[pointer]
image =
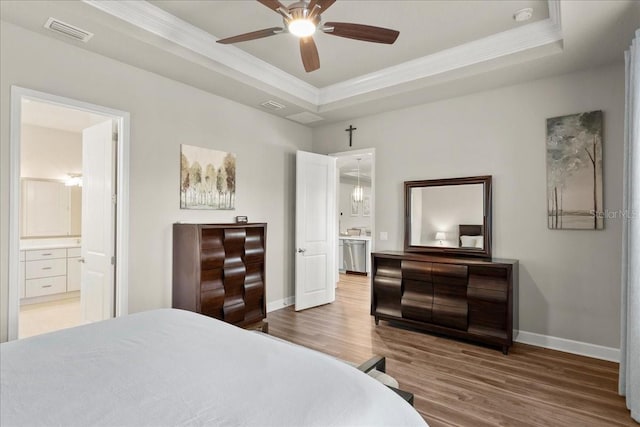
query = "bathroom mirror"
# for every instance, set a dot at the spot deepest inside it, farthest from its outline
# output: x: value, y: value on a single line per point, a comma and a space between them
x: 449, y: 216
x: 49, y: 208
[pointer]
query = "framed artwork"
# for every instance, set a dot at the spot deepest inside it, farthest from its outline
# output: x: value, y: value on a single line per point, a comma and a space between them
x: 207, y: 178
x: 366, y: 206
x: 355, y: 208
x: 574, y: 172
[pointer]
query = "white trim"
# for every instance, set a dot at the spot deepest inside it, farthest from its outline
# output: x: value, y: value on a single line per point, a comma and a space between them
x: 554, y: 13
x: 122, y: 237
x: 155, y: 20
x: 569, y: 346
x: 239, y: 65
x: 281, y: 303
x: 495, y: 46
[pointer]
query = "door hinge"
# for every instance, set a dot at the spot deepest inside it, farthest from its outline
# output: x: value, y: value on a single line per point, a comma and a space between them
x: 113, y: 260
x: 114, y: 198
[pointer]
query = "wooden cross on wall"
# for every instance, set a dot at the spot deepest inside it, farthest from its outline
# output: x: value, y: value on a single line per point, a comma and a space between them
x: 350, y: 130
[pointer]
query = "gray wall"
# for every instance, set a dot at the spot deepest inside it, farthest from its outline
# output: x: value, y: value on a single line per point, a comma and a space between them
x: 569, y: 280
x: 164, y: 114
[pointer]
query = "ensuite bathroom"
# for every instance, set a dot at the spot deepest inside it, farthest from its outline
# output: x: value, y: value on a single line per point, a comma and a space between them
x: 50, y: 221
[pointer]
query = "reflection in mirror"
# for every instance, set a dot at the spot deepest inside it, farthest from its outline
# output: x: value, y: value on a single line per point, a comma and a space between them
x: 449, y: 216
x: 49, y: 208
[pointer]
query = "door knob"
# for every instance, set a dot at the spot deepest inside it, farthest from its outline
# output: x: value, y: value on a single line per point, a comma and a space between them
x: 300, y: 250
x: 81, y: 260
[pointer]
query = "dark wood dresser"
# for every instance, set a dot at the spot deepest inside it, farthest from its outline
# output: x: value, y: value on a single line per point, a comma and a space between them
x: 460, y: 297
x: 219, y: 270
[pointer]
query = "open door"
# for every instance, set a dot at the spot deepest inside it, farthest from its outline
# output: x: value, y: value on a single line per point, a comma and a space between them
x: 316, y: 233
x: 98, y: 223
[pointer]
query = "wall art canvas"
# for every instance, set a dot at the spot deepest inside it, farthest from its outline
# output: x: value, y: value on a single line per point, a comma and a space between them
x: 366, y: 206
x: 355, y: 208
x: 574, y: 172
x: 207, y: 178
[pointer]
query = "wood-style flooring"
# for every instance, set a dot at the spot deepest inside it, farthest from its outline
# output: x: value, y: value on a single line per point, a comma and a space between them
x: 458, y: 383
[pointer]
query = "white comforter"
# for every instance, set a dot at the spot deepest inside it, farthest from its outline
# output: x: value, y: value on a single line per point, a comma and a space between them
x: 175, y: 368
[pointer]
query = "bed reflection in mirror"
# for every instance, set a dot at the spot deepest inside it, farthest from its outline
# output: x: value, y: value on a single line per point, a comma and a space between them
x: 449, y: 216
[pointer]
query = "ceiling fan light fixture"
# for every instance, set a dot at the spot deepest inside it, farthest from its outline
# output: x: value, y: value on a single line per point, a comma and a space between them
x: 301, y: 27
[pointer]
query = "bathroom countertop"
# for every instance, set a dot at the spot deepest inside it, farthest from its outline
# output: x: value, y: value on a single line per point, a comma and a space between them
x: 36, y: 244
x: 367, y: 238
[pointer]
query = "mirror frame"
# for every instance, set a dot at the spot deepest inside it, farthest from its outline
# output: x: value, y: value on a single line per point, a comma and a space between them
x: 485, y: 252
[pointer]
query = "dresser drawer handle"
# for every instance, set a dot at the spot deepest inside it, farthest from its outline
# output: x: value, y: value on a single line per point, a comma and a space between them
x: 47, y: 286
x: 47, y: 254
x: 46, y: 268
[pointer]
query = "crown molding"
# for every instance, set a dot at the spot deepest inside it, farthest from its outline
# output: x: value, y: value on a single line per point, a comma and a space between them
x: 495, y: 46
x: 238, y: 64
x: 155, y: 20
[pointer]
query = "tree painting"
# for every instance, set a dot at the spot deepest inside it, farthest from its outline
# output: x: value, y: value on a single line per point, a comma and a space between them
x: 207, y: 178
x: 574, y: 171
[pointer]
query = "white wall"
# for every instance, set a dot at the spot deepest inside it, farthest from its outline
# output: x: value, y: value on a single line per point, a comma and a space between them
x: 569, y: 280
x: 49, y: 153
x: 164, y: 114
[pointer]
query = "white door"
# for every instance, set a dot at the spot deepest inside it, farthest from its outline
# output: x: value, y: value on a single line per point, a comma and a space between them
x: 98, y: 223
x: 315, y: 229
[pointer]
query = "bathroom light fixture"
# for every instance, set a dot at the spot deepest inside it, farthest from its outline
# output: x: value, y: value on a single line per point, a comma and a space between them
x: 74, y: 180
x: 358, y: 191
x: 440, y: 236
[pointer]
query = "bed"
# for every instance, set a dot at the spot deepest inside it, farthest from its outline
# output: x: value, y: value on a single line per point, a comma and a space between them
x: 174, y: 368
x: 468, y: 235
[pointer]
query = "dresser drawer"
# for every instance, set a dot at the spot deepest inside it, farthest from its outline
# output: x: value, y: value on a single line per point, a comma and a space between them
x: 46, y: 286
x: 46, y: 268
x: 36, y: 255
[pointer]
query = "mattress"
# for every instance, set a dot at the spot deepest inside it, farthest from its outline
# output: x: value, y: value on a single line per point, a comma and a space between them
x: 176, y: 368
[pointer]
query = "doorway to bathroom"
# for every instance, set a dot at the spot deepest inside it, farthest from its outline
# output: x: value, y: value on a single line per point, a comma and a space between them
x: 67, y: 213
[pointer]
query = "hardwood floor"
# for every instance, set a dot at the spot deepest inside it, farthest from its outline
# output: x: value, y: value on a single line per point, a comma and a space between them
x: 457, y: 383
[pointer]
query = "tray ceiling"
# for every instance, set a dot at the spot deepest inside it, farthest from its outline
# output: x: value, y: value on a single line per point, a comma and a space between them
x: 445, y: 48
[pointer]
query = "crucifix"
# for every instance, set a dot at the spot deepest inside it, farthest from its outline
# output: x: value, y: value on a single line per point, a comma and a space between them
x: 350, y: 130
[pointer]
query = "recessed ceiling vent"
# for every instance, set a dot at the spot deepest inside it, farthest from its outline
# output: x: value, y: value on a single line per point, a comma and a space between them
x: 68, y: 30
x: 273, y: 105
x: 305, y: 117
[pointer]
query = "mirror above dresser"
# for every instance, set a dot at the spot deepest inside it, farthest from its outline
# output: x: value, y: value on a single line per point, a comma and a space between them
x: 449, y: 216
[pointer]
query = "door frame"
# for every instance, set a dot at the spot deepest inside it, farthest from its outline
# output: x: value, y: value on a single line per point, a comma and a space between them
x: 368, y: 151
x: 122, y: 120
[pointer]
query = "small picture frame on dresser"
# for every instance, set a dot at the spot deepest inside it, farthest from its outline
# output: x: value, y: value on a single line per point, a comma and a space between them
x: 242, y: 219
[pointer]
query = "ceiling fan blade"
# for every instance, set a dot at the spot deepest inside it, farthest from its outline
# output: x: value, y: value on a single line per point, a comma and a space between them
x: 323, y: 5
x: 309, y: 53
x: 273, y: 4
x: 365, y: 33
x: 251, y: 36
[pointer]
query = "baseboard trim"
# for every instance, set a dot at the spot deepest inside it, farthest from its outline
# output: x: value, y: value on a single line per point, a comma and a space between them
x: 281, y: 303
x: 569, y: 346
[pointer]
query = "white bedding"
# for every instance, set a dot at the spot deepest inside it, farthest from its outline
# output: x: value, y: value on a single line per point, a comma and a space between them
x: 172, y: 368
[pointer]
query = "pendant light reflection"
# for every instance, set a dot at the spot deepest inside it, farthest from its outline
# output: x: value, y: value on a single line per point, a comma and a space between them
x: 358, y: 191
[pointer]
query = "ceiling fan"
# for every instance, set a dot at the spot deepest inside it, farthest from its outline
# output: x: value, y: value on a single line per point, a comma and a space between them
x: 302, y: 19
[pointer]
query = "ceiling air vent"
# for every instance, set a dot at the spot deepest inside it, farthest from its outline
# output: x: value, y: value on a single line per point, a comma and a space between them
x: 273, y: 105
x: 68, y: 30
x: 305, y: 117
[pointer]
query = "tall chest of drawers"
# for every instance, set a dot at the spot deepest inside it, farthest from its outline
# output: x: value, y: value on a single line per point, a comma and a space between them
x: 219, y: 270
x: 464, y: 298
